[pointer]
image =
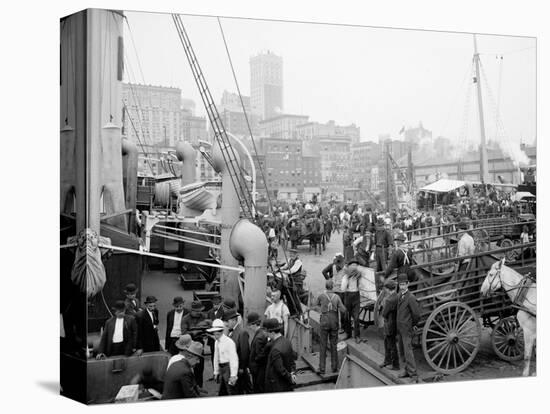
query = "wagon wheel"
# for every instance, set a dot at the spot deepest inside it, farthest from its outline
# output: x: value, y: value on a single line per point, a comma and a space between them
x: 451, y: 337
x: 511, y: 254
x: 507, y: 339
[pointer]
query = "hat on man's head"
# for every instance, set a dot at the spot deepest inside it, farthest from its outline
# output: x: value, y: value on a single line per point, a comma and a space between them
x: 463, y: 225
x: 402, y: 278
x: 339, y: 257
x: 197, y: 306
x: 194, y: 348
x: 119, y: 305
x: 150, y: 299
x: 217, y: 325
x: 130, y: 288
x: 178, y: 300
x: 229, y: 303
x: 230, y: 314
x: 390, y: 284
x: 352, y: 261
x: 253, y: 318
x: 271, y: 325
x: 183, y: 341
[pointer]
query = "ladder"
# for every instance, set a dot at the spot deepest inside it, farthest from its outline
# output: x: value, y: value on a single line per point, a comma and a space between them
x: 402, y: 175
x: 228, y: 152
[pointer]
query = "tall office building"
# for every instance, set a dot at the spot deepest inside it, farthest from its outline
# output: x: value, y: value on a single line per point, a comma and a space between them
x: 266, y: 84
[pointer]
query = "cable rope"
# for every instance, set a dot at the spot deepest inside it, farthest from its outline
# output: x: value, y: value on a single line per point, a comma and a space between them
x: 509, y: 51
x: 139, y: 140
x: 499, y: 89
x: 137, y: 102
x: 249, y: 128
x: 245, y: 115
x: 227, y: 150
x: 102, y: 75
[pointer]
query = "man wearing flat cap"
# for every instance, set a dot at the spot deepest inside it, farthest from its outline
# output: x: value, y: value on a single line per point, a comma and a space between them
x: 407, y: 318
x: 179, y: 380
x: 388, y: 310
x: 119, y: 336
x: 174, y: 324
x: 258, y: 352
x: 401, y: 258
x: 147, y: 323
x: 193, y: 324
x: 280, y: 366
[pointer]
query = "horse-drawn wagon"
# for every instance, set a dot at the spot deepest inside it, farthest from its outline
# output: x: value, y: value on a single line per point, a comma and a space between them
x: 453, y: 309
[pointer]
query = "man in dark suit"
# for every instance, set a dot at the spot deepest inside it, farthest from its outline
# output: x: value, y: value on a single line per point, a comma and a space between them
x: 258, y: 353
x: 147, y: 322
x: 389, y: 311
x: 280, y: 366
x: 119, y: 335
x: 174, y: 324
x: 240, y: 337
x: 131, y: 301
x: 179, y: 380
x: 408, y: 316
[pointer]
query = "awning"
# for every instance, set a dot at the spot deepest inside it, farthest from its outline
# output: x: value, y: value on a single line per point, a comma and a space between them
x: 520, y: 195
x: 443, y: 186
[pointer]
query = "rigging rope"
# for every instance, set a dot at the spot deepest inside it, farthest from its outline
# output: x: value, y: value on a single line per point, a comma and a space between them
x: 249, y: 127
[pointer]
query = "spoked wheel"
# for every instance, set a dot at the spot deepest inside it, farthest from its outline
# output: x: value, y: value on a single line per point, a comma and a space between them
x: 451, y: 337
x: 507, y: 339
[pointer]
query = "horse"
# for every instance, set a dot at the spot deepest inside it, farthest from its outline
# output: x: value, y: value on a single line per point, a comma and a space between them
x: 523, y: 294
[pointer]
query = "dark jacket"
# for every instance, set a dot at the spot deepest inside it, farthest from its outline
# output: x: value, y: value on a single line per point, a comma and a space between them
x: 129, y: 335
x: 179, y: 381
x: 190, y: 323
x: 389, y: 313
x: 258, y: 351
x: 400, y: 261
x: 382, y: 237
x: 240, y: 337
x: 408, y: 312
x: 280, y: 365
x: 215, y: 313
x: 170, y: 323
x: 148, y: 336
x: 132, y: 306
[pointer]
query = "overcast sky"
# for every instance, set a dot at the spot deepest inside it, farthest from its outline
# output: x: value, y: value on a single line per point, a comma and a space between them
x: 380, y: 79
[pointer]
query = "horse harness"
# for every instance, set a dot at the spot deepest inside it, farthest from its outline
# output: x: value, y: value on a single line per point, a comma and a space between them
x: 522, y: 288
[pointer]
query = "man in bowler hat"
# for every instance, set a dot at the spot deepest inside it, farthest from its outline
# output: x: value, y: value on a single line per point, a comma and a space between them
x: 174, y: 325
x: 259, y: 348
x: 408, y: 316
x: 147, y: 323
x: 119, y: 336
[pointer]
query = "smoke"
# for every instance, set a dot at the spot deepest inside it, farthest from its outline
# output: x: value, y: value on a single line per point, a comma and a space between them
x: 514, y: 151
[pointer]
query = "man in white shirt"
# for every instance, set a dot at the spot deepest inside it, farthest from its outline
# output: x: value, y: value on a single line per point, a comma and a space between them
x: 173, y: 324
x: 119, y: 336
x: 278, y: 310
x: 226, y: 360
x: 465, y: 247
x: 352, y: 285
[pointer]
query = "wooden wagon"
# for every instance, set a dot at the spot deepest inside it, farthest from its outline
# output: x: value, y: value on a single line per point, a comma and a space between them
x: 453, y: 310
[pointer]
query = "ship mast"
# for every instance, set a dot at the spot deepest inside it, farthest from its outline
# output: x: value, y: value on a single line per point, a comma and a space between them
x: 484, y: 163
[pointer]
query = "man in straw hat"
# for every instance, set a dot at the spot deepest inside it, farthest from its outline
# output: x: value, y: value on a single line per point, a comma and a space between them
x: 174, y: 326
x: 119, y: 336
x: 401, y: 258
x: 280, y: 365
x: 226, y: 360
x: 179, y: 380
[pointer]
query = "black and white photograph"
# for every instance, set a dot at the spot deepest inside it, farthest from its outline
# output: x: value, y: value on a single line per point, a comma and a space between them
x: 254, y: 206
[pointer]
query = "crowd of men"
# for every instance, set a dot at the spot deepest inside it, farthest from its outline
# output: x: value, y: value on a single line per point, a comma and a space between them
x: 252, y: 356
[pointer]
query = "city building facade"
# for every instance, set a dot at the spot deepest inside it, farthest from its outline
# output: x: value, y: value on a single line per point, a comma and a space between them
x: 282, y: 126
x: 266, y: 84
x: 308, y: 131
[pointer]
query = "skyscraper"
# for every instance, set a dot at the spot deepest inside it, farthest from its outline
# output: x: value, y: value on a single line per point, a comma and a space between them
x: 266, y: 84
